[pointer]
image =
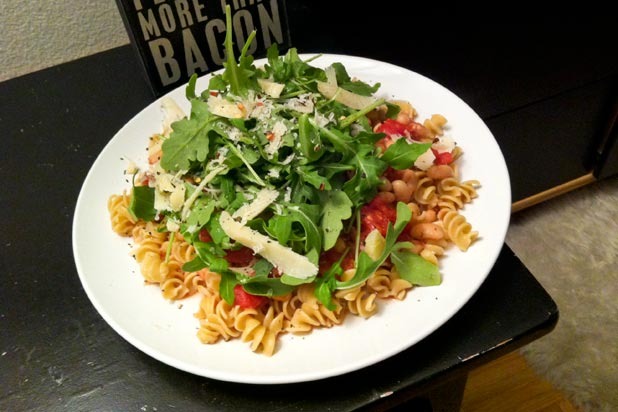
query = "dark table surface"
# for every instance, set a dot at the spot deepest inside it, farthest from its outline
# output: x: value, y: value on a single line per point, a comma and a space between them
x: 57, y: 353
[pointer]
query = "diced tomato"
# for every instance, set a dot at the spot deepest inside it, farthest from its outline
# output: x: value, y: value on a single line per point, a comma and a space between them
x: 246, y: 300
x: 444, y: 158
x: 376, y: 215
x: 392, y: 174
x: 240, y: 257
x: 204, y: 236
x: 405, y: 236
x: 392, y: 128
x: 328, y: 258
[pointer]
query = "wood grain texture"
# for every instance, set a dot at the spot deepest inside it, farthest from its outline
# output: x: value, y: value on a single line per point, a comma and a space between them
x: 509, y: 384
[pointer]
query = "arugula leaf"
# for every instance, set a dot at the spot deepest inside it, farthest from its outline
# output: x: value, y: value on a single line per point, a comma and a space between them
x: 142, y: 203
x: 402, y: 154
x: 290, y: 70
x: 226, y: 184
x: 189, y: 140
x: 208, y: 255
x: 308, y: 217
x: 413, y: 267
x: 309, y: 139
x: 345, y: 82
x: 280, y: 228
x: 310, y: 175
x: 261, y: 284
x: 238, y: 75
x: 201, y: 211
x: 369, y: 169
x: 217, y: 83
x: 194, y: 265
x: 190, y: 89
x: 360, y: 88
x: 262, y: 267
x: 392, y: 110
x: 341, y: 141
x: 326, y: 284
x: 341, y: 73
x: 226, y: 287
x: 216, y: 231
x: 365, y: 266
x: 336, y: 207
x: 265, y: 286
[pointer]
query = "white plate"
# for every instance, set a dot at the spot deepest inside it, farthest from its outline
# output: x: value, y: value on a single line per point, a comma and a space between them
x: 167, y: 331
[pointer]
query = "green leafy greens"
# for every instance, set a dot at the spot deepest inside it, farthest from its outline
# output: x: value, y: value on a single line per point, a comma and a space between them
x: 318, y: 155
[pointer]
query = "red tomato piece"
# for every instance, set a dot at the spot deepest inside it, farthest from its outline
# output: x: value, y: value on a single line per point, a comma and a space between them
x: 444, y: 158
x: 204, y: 236
x: 328, y: 259
x: 246, y: 300
x: 392, y: 128
x: 240, y: 257
x: 376, y: 215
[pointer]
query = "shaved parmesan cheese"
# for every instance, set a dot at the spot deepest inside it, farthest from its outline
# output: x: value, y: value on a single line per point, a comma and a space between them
x: 172, y: 225
x: 282, y: 257
x: 169, y: 191
x: 271, y: 88
x: 250, y: 210
x: 444, y: 144
x: 186, y: 209
x: 375, y: 244
x: 225, y: 108
x: 322, y: 120
x: 279, y: 129
x: 352, y: 100
x: 425, y: 161
x: 131, y: 168
x: 302, y: 104
x: 172, y: 113
x: 331, y: 75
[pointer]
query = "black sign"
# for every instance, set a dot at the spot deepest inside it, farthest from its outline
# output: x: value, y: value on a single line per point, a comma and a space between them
x: 176, y: 38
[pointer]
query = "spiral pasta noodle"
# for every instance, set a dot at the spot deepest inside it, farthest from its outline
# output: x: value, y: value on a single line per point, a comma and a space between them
x: 435, y: 124
x: 122, y: 221
x: 457, y: 229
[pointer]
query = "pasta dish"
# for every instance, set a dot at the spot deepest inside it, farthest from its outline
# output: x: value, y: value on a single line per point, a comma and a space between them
x: 290, y: 197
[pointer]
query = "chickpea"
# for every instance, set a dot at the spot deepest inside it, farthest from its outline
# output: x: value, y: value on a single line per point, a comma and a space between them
x: 386, y: 185
x: 402, y: 191
x: 403, y: 118
x: 429, y: 216
x: 427, y: 231
x: 439, y: 172
x: 417, y: 246
x: 410, y: 178
x: 387, y: 197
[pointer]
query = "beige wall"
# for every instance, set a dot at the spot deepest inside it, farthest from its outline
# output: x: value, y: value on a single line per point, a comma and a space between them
x: 40, y: 33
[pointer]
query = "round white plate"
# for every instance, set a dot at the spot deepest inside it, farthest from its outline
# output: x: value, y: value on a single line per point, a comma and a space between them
x: 167, y: 331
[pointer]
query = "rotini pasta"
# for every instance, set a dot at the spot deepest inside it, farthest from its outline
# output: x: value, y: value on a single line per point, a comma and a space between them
x: 225, y: 222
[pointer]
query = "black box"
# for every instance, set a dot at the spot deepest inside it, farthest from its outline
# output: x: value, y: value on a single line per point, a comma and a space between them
x: 176, y: 38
